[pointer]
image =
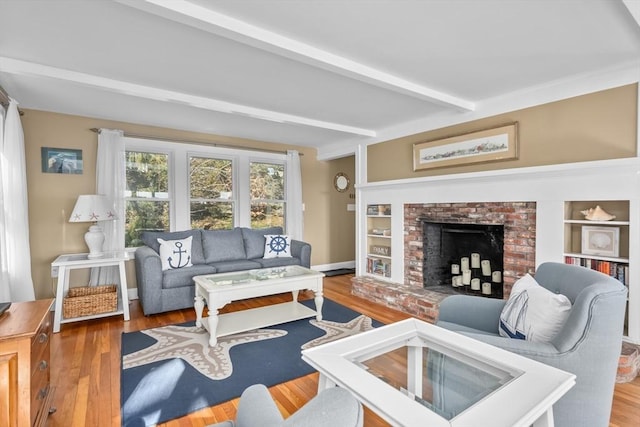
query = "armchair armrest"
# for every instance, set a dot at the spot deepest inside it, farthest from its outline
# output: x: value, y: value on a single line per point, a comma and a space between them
x: 301, y: 250
x: 473, y: 312
x: 149, y: 279
x: 257, y: 408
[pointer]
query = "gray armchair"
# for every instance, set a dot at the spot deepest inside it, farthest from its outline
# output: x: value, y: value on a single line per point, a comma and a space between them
x: 588, y: 346
x: 334, y: 407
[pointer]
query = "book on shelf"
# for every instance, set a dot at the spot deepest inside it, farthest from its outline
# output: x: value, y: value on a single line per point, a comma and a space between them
x: 614, y: 269
x: 379, y: 267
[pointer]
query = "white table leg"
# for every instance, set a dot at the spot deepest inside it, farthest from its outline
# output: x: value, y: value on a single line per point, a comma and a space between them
x: 57, y: 315
x: 124, y: 296
x: 414, y: 370
x: 213, y: 327
x: 318, y: 300
x: 324, y: 382
x: 295, y: 295
x: 545, y: 420
x: 198, y: 305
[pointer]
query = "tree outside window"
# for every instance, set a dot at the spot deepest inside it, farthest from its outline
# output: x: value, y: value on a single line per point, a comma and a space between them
x: 267, y: 194
x: 211, y: 193
x: 147, y: 200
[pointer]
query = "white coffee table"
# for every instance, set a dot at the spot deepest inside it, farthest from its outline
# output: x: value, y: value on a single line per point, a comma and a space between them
x: 220, y: 289
x: 413, y: 373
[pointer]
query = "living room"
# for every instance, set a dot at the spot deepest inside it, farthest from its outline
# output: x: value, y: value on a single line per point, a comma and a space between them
x: 577, y: 130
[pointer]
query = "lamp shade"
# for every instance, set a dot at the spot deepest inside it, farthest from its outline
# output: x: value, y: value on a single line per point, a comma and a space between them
x: 92, y: 208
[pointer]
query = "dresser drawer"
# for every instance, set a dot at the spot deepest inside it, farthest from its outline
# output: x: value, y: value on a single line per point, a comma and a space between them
x: 40, y: 369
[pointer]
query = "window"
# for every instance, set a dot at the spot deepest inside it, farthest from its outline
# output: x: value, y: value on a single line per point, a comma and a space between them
x: 267, y: 195
x: 147, y: 202
x: 211, y: 188
x: 176, y: 186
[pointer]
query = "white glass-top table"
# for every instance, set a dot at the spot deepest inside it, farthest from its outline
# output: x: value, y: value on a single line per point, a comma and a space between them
x: 413, y: 373
x: 222, y: 288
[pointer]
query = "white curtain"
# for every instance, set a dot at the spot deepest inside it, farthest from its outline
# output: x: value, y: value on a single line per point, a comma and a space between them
x: 294, y: 214
x: 16, y: 283
x: 110, y: 182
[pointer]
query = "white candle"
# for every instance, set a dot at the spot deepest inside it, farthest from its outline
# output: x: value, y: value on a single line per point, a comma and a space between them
x: 475, y: 260
x: 475, y: 284
x: 464, y: 263
x: 486, y: 267
x: 486, y: 288
x: 466, y: 277
x: 496, y: 277
x: 455, y: 269
x: 458, y: 281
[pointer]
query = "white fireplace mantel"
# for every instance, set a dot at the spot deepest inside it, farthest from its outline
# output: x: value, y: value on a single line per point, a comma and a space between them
x: 549, y: 186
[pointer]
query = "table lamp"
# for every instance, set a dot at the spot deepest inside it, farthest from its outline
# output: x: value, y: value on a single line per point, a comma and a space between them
x: 93, y: 208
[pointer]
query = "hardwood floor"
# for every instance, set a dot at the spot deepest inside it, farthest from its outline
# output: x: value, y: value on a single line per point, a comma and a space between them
x: 85, y: 360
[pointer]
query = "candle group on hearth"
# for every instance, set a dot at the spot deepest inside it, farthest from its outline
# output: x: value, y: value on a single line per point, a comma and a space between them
x: 474, y: 272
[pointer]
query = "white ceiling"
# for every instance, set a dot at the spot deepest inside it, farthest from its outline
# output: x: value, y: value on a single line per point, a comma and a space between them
x: 328, y: 74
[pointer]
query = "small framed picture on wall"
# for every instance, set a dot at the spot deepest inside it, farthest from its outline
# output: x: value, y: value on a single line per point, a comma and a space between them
x: 62, y: 160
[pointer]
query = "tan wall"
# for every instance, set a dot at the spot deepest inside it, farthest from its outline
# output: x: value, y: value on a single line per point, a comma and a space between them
x: 52, y: 196
x: 341, y: 229
x: 596, y: 126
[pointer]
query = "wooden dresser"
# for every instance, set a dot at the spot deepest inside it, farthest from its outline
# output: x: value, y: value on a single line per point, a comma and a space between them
x: 25, y: 391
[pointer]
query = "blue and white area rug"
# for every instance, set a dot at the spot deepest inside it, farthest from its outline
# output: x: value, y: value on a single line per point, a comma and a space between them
x: 171, y: 371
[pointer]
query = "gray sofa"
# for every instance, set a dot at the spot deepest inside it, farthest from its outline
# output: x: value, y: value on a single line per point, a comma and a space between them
x: 212, y: 251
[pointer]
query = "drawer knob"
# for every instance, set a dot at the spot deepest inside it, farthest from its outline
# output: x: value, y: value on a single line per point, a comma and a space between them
x: 43, y: 338
x: 44, y: 365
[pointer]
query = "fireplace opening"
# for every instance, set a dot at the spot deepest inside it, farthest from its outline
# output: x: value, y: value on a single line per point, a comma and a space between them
x: 463, y: 258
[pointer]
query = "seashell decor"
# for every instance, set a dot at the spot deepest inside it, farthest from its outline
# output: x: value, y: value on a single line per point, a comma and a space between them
x: 597, y: 214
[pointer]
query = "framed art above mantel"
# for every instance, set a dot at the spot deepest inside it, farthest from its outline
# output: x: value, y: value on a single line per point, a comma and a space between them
x: 488, y: 145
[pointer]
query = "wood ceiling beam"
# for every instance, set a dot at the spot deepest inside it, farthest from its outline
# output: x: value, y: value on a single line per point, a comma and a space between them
x: 188, y: 13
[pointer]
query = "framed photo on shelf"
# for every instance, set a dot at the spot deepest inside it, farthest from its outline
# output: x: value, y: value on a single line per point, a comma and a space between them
x: 602, y: 241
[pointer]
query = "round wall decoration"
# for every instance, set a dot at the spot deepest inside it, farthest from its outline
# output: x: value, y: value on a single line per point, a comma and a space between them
x: 341, y: 182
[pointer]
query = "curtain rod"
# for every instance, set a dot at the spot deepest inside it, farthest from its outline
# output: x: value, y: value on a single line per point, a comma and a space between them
x: 5, y: 100
x: 211, y: 144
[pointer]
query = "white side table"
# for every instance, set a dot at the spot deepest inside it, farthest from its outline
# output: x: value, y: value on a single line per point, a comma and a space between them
x: 68, y: 262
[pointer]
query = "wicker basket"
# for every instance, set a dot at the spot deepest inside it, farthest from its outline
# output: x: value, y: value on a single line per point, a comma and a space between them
x: 87, y: 300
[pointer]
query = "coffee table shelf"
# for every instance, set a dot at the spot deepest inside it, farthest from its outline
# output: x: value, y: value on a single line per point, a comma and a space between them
x: 255, y: 318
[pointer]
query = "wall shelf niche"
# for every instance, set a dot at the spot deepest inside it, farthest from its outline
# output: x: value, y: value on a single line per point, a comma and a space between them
x: 379, y: 240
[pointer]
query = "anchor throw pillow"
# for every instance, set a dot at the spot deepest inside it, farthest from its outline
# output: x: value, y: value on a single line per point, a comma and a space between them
x: 277, y: 246
x: 533, y: 312
x: 175, y: 253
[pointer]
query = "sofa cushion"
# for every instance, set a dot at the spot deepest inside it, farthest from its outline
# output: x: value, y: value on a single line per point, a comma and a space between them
x: 181, y: 277
x: 277, y: 246
x: 150, y: 238
x: 223, y: 245
x: 532, y: 312
x: 254, y: 240
x: 175, y: 253
x: 237, y: 265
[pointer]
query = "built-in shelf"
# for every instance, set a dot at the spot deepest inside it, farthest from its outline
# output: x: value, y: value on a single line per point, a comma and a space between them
x: 599, y: 245
x: 379, y: 240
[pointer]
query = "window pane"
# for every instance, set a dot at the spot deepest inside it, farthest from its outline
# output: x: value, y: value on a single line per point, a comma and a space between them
x: 147, y: 173
x: 211, y: 178
x: 267, y: 181
x: 145, y: 216
x: 212, y: 215
x: 267, y: 215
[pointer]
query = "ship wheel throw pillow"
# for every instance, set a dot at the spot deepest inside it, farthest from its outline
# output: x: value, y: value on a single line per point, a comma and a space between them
x: 533, y: 312
x: 175, y: 253
x: 277, y: 246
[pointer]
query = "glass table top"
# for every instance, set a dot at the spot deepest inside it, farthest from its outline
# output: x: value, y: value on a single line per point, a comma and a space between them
x: 445, y: 385
x: 262, y: 274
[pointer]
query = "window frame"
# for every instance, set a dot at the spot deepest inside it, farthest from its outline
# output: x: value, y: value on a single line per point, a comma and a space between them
x: 179, y: 154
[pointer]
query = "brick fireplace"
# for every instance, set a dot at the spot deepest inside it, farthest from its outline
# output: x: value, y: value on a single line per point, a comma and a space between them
x: 518, y: 219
